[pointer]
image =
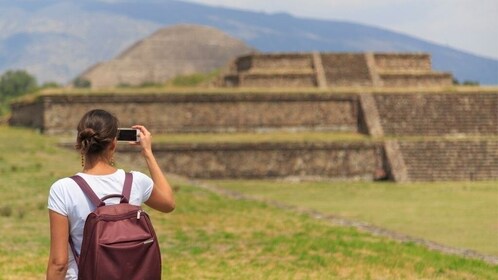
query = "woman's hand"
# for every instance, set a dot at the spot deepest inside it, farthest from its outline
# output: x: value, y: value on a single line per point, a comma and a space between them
x: 145, y: 139
x: 161, y: 198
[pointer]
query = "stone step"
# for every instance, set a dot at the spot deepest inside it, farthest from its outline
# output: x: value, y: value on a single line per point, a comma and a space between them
x: 346, y: 69
x: 451, y: 160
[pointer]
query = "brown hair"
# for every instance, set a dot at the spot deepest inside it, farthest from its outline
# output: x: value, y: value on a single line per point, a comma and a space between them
x: 96, y: 130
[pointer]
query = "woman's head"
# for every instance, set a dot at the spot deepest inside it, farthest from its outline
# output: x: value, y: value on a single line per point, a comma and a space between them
x: 97, y: 130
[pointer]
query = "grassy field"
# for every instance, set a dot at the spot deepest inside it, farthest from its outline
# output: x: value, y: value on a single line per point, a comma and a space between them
x: 459, y: 214
x: 208, y: 236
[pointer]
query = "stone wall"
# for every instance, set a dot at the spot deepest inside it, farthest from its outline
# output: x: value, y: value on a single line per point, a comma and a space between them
x: 402, y: 61
x: 399, y: 113
x: 274, y: 61
x: 416, y: 79
x: 277, y: 80
x: 438, y: 113
x: 269, y: 160
x: 451, y: 160
x: 213, y: 112
x: 28, y: 114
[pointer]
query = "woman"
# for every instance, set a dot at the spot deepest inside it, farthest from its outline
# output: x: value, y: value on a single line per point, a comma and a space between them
x: 68, y: 206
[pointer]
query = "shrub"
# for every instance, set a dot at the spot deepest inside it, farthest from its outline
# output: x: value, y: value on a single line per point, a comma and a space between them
x: 15, y: 83
x: 81, y: 83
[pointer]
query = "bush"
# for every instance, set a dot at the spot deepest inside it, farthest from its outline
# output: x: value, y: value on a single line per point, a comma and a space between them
x: 50, y: 85
x: 15, y: 83
x: 81, y: 83
x: 465, y: 83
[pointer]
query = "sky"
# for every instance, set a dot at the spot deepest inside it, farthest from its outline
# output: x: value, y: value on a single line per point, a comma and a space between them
x: 468, y: 25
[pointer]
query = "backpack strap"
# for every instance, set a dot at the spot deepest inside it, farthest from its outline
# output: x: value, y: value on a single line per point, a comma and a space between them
x: 88, y: 191
x: 127, y: 186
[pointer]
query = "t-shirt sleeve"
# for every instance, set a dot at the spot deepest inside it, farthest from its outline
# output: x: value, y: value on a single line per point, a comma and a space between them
x: 145, y: 184
x: 56, y: 201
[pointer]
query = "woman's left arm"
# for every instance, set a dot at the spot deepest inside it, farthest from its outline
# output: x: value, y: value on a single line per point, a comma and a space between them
x: 59, y: 236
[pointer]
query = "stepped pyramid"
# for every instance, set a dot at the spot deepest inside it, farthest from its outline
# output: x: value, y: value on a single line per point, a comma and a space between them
x: 328, y: 115
x: 334, y: 70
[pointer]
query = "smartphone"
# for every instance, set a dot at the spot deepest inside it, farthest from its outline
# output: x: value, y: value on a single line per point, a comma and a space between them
x: 128, y: 135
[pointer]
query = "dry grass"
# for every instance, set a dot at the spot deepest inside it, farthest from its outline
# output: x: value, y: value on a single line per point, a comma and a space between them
x: 458, y: 214
x: 272, y: 137
x: 171, y: 89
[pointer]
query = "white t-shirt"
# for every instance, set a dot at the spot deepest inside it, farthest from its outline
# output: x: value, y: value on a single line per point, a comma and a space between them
x: 67, y: 199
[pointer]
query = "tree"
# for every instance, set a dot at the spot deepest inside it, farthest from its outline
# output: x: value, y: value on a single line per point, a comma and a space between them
x: 15, y: 83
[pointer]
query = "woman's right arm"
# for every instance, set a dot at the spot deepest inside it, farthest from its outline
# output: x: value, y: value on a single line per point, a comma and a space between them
x: 59, y: 235
x: 161, y: 198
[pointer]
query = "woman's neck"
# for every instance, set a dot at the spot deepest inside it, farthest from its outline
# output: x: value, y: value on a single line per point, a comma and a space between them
x: 98, y: 168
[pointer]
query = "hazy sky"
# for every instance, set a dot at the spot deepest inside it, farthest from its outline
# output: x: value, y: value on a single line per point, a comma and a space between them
x: 469, y: 25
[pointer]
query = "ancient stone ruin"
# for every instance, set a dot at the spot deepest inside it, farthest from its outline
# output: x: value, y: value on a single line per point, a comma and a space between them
x: 325, y: 70
x: 414, y: 125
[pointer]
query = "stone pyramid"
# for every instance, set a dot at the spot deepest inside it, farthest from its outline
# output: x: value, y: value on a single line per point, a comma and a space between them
x: 169, y: 52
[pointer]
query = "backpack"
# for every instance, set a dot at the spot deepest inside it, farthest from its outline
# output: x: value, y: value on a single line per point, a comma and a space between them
x: 119, y: 241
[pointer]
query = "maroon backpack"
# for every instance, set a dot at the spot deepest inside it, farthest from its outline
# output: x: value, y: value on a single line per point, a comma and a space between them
x: 119, y: 241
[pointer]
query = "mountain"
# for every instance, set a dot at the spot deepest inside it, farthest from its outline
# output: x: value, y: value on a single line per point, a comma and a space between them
x: 57, y: 40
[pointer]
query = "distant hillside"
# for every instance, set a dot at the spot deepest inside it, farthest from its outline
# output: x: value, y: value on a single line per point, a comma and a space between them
x: 56, y: 39
x: 169, y: 52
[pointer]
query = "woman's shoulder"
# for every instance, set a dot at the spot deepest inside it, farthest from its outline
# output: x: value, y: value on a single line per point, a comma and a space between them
x: 64, y: 181
x: 62, y: 184
x: 141, y: 178
x: 138, y: 174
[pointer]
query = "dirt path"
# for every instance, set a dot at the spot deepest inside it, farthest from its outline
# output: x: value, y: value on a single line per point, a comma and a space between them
x: 340, y: 221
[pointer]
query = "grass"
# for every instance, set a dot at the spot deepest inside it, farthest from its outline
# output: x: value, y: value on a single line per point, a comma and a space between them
x: 459, y: 214
x: 208, y: 236
x: 193, y: 80
x: 275, y: 136
x: 279, y: 136
x: 192, y: 84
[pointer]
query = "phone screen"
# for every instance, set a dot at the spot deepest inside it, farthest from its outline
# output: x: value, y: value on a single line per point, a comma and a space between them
x: 127, y: 134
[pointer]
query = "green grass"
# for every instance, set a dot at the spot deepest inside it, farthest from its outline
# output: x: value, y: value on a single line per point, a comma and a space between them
x: 208, y: 236
x: 459, y: 214
x: 193, y: 80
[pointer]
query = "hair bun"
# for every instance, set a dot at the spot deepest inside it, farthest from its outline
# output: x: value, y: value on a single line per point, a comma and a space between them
x: 96, y: 131
x: 87, y: 134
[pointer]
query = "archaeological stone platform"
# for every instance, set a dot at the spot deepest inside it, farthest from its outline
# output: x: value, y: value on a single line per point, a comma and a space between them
x: 427, y: 132
x: 324, y: 70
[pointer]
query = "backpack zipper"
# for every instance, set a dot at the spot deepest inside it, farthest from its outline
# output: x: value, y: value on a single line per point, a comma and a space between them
x: 148, y: 241
x: 139, y: 212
